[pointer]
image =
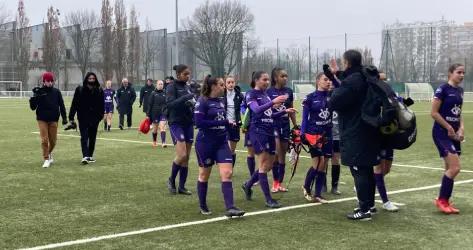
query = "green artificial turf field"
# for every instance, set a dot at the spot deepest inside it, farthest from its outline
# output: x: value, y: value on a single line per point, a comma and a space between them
x: 125, y: 191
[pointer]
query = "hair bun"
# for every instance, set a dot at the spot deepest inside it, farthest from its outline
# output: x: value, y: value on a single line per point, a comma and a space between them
x: 174, y: 67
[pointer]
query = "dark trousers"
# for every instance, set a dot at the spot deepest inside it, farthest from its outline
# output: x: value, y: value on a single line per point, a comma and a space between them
x: 128, y: 118
x: 88, y: 135
x: 365, y: 186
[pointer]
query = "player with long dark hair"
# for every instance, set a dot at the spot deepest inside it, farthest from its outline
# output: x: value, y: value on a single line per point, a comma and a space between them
x: 212, y: 146
x: 180, y: 104
x: 448, y: 132
x: 282, y: 125
x: 262, y: 133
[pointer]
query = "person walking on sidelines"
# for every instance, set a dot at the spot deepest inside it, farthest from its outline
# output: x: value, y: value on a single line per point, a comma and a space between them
x: 89, y: 105
x: 145, y: 92
x: 48, y: 103
x: 126, y: 96
x: 157, y: 104
x: 108, y: 97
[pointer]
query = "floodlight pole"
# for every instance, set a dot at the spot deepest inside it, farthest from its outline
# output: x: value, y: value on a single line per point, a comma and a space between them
x: 177, y: 32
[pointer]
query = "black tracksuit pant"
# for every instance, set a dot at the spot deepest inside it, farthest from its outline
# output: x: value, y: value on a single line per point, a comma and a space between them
x: 88, y: 136
x: 128, y: 118
x: 365, y: 186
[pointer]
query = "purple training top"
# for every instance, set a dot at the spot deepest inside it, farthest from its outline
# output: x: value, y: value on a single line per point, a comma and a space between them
x: 210, y: 118
x: 274, y: 92
x: 316, y: 116
x: 451, y: 108
x: 108, y: 95
x: 262, y: 115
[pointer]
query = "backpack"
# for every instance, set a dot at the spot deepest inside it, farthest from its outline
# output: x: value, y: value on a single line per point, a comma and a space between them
x: 383, y: 110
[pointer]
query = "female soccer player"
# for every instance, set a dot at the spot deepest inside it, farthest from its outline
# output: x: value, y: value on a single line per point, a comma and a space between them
x: 262, y: 133
x: 108, y: 96
x: 448, y: 132
x: 282, y: 126
x: 211, y: 146
x: 180, y: 104
x: 233, y: 99
x: 317, y: 120
x: 157, y: 103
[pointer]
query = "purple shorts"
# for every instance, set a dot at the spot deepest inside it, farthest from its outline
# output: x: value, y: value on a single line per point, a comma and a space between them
x: 326, y: 150
x: 233, y: 133
x: 159, y: 118
x: 263, y: 143
x: 108, y: 109
x: 283, y: 132
x: 386, y: 154
x: 211, y: 152
x: 446, y: 145
x: 182, y: 133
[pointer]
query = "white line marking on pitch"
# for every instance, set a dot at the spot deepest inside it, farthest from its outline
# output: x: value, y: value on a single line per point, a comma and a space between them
x: 243, y: 151
x: 395, y: 203
x: 221, y: 218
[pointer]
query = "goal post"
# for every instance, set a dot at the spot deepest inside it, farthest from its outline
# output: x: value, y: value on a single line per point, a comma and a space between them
x: 301, y: 88
x: 419, y: 91
x: 11, y: 89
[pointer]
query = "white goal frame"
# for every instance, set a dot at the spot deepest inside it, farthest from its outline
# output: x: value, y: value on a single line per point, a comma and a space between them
x: 12, y: 94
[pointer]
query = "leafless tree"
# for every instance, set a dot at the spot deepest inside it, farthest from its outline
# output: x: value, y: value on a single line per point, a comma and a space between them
x: 85, y: 36
x: 119, y: 35
x: 106, y: 40
x: 52, y: 42
x: 133, y: 46
x: 217, y: 29
x: 149, y: 50
x: 22, y: 43
x: 3, y: 13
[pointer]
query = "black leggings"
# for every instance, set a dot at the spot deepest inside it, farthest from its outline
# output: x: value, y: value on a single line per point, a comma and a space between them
x: 128, y: 118
x: 88, y: 135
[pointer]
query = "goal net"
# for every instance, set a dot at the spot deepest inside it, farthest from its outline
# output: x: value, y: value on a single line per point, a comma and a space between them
x: 302, y: 88
x: 11, y: 89
x: 419, y: 91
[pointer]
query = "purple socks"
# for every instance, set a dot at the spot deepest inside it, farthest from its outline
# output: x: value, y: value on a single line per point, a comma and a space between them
x: 446, y: 188
x: 379, y: 178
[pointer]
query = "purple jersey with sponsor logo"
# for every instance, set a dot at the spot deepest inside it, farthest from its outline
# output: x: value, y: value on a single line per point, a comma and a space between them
x: 274, y: 92
x: 262, y: 117
x: 210, y: 119
x: 316, y: 116
x: 108, y: 95
x: 451, y: 108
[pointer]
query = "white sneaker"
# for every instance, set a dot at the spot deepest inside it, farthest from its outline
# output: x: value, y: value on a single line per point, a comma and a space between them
x: 84, y: 161
x: 90, y: 160
x: 389, y: 206
x: 51, y: 160
x: 46, y: 164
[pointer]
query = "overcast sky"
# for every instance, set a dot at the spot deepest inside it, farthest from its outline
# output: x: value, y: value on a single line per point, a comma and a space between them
x: 290, y: 20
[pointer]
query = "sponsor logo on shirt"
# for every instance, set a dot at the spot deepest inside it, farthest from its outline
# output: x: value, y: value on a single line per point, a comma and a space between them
x: 456, y: 110
x: 324, y: 113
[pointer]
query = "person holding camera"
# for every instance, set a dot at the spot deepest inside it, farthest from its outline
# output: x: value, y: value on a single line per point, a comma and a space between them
x: 48, y: 103
x: 89, y: 105
x: 126, y: 96
x: 180, y: 103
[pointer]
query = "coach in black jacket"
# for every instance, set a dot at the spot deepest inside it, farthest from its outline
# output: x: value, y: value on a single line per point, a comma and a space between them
x: 126, y: 96
x: 145, y: 93
x: 89, y: 105
x: 359, y: 143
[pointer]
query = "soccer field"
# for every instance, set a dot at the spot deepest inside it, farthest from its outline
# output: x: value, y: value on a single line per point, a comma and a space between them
x: 121, y: 201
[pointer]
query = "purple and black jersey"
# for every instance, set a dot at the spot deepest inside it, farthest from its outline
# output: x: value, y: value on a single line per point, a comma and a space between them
x: 108, y: 96
x: 275, y: 92
x: 451, y: 108
x: 210, y: 119
x: 262, y: 116
x: 211, y: 143
x: 316, y: 116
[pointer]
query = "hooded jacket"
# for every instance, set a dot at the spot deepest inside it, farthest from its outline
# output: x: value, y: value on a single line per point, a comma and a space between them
x: 145, y: 94
x: 88, y: 102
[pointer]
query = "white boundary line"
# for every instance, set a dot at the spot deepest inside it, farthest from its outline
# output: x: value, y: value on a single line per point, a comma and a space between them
x: 216, y: 219
x: 243, y: 151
